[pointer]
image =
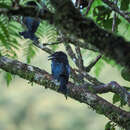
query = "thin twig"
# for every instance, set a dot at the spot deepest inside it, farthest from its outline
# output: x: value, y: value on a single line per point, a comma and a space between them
x: 89, y: 6
x: 52, y: 43
x: 114, y: 19
x: 89, y: 78
x: 116, y: 9
x: 42, y: 47
x: 92, y: 64
x: 114, y: 23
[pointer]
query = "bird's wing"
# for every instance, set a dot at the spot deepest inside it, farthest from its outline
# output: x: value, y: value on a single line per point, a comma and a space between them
x: 57, y: 69
x: 35, y: 25
x: 28, y: 21
x: 65, y: 71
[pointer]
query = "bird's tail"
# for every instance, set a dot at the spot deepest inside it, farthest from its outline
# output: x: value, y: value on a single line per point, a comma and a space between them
x: 63, y: 87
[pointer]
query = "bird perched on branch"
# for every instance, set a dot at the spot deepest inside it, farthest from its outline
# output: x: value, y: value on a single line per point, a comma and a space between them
x: 31, y: 24
x: 60, y: 70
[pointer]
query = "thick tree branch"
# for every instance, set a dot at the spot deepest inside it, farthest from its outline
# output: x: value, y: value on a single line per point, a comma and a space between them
x: 90, y: 78
x: 115, y: 88
x: 76, y: 42
x: 80, y: 93
x: 90, y: 35
x: 102, y: 88
x: 69, y: 20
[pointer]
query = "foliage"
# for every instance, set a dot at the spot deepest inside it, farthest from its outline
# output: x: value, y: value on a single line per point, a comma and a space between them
x: 11, y: 43
x: 99, y: 12
x: 29, y: 52
x: 8, y: 77
x: 117, y: 98
x: 125, y: 74
x: 109, y: 126
x: 98, y: 68
x: 125, y: 4
x: 103, y: 16
x: 10, y: 38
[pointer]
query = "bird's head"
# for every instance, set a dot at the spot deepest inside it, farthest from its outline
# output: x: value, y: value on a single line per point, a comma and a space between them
x: 59, y: 56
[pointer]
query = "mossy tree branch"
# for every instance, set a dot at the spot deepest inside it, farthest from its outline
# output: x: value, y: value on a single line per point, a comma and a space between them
x: 79, y: 93
x: 100, y: 87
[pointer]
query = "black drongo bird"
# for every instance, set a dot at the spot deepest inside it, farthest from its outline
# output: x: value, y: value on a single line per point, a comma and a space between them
x: 60, y: 70
x: 31, y: 25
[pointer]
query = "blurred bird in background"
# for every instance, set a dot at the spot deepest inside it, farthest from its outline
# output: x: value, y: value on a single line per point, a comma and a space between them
x: 31, y: 24
x: 60, y: 70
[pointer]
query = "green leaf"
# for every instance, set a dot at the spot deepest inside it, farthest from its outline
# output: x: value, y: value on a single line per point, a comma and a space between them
x: 8, y: 78
x: 122, y: 103
x: 29, y: 52
x: 101, y: 12
x: 124, y: 4
x: 116, y: 98
x: 125, y: 73
x: 8, y: 38
x: 111, y: 62
x: 108, y: 23
x: 98, y: 67
x: 3, y: 5
x: 108, y: 126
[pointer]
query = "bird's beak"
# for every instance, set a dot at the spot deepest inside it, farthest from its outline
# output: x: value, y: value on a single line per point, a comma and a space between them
x: 50, y: 57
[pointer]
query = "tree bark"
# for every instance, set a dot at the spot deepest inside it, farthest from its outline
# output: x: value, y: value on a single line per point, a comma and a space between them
x: 79, y: 93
